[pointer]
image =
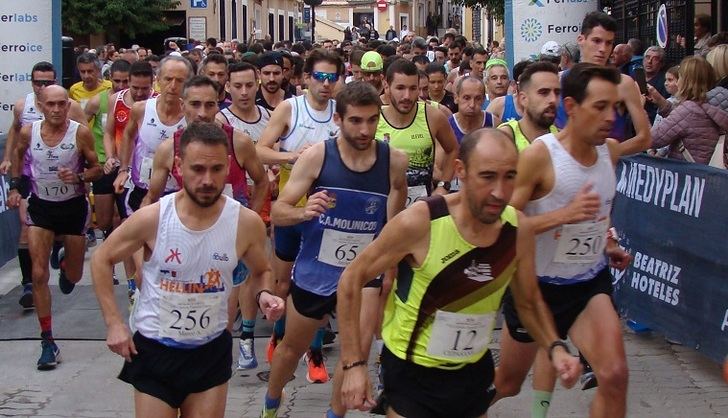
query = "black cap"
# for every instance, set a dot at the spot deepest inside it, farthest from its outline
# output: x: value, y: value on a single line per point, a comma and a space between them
x: 270, y: 58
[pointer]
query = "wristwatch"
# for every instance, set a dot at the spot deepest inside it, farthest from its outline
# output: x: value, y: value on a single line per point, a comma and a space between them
x: 81, y: 178
x: 444, y: 184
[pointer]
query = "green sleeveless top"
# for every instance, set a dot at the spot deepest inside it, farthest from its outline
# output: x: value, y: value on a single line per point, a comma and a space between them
x: 416, y: 141
x: 100, y: 124
x: 518, y: 136
x: 442, y: 313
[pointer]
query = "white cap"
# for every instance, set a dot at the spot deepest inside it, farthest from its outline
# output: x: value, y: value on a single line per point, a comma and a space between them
x: 135, y: 47
x: 551, y: 48
x: 175, y: 53
x: 199, y: 47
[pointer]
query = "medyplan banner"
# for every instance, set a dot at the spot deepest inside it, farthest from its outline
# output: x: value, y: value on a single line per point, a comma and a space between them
x: 671, y: 216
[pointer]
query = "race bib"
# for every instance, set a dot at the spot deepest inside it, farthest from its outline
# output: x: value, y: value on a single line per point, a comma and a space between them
x: 55, y: 190
x: 457, y: 336
x: 145, y: 172
x: 184, y: 316
x: 582, y: 243
x: 414, y: 193
x: 104, y: 118
x: 83, y: 103
x: 340, y: 248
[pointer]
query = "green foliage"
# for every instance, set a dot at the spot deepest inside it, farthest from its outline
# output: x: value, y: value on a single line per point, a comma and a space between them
x: 129, y: 16
x: 495, y: 7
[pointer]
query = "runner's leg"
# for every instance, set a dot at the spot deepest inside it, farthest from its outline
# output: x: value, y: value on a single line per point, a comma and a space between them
x: 207, y: 404
x: 149, y: 406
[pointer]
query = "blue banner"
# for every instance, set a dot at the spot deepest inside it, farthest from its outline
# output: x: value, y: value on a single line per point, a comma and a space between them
x: 9, y: 221
x: 671, y: 216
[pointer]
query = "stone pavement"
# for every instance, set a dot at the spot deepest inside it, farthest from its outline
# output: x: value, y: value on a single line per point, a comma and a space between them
x: 666, y: 381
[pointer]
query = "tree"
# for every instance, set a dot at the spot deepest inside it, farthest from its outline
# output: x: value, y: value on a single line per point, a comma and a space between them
x: 85, y: 17
x: 495, y: 7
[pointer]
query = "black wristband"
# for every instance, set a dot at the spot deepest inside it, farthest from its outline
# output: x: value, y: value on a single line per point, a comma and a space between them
x: 14, y: 183
x: 257, y: 296
x: 558, y: 343
x: 354, y: 364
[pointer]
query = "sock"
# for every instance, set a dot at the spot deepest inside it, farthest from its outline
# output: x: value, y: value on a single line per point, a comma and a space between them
x: 45, y: 327
x: 25, y: 265
x: 318, y: 340
x: 247, y: 330
x: 271, y: 403
x: 331, y: 414
x: 279, y: 328
x: 541, y: 403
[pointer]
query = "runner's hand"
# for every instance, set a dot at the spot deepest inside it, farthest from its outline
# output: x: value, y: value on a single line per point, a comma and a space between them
x: 585, y: 205
x: 110, y: 164
x: 5, y: 166
x: 568, y: 367
x: 14, y: 199
x: 272, y: 306
x: 118, y: 339
x: 120, y: 181
x: 618, y: 257
x: 68, y: 176
x: 356, y: 390
x: 317, y: 204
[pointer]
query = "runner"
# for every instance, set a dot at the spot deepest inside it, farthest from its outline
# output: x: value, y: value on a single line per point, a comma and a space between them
x: 250, y: 118
x: 372, y: 67
x: 571, y: 204
x: 455, y: 256
x: 538, y: 93
x: 192, y: 239
x: 595, y: 45
x: 97, y: 109
x: 470, y: 117
x: 497, y: 79
x: 298, y: 123
x: 355, y: 184
x: 91, y: 84
x: 215, y: 66
x: 57, y: 150
x: 26, y: 111
x: 436, y: 77
x: 271, y: 94
x: 417, y: 129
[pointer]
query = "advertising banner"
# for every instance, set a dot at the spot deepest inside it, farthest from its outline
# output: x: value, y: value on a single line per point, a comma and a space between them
x: 9, y: 220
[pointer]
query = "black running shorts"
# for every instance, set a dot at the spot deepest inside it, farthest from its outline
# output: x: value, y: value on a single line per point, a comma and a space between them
x: 170, y: 374
x: 428, y: 392
x: 64, y: 218
x: 312, y: 305
x: 24, y: 186
x: 565, y: 301
x: 105, y: 184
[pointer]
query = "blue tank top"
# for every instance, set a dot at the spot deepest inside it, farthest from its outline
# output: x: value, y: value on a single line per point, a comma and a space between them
x: 459, y: 134
x: 509, y: 109
x: 355, y: 217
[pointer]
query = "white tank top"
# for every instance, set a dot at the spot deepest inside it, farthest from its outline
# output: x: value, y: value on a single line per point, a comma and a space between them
x: 31, y: 113
x: 308, y: 126
x: 253, y: 129
x: 151, y: 133
x: 574, y: 252
x: 188, y: 278
x: 45, y: 162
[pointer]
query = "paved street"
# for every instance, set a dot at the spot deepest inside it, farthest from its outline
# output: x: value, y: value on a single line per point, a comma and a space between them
x: 665, y: 381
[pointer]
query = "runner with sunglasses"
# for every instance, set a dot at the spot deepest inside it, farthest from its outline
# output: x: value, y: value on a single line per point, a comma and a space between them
x: 299, y: 123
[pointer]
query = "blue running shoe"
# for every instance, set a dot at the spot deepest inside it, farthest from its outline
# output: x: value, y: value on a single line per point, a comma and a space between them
x: 246, y: 359
x: 50, y: 355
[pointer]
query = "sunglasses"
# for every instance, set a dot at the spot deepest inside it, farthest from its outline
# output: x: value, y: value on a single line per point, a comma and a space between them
x: 46, y: 83
x: 320, y: 76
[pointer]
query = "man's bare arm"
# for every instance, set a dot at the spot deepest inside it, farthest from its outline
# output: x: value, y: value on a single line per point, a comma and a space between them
x: 161, y: 167
x: 247, y: 157
x: 397, y: 198
x: 630, y: 94
x: 284, y: 211
x: 276, y: 128
x: 86, y: 145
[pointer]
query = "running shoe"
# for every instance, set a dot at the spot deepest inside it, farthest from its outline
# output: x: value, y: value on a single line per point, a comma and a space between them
x: 50, y: 355
x: 63, y: 282
x: 55, y: 256
x: 114, y: 279
x: 272, y: 343
x: 329, y: 335
x: 316, y: 368
x: 589, y: 380
x: 26, y: 299
x: 246, y: 358
x: 272, y: 412
x: 90, y: 238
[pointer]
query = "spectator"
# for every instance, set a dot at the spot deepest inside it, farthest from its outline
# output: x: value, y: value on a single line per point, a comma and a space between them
x: 702, y: 34
x: 653, y: 62
x: 621, y: 56
x: 391, y: 33
x: 718, y: 59
x: 659, y: 100
x: 637, y: 58
x: 692, y: 129
x: 569, y: 56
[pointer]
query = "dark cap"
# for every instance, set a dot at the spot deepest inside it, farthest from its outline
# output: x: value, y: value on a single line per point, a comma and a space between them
x: 270, y: 58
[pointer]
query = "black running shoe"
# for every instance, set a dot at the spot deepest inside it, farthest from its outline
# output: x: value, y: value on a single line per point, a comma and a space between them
x: 26, y: 299
x: 66, y: 285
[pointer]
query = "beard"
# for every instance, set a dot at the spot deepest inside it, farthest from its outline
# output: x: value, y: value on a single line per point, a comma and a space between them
x: 541, y: 119
x: 271, y: 87
x: 478, y: 210
x: 200, y: 201
x: 396, y: 106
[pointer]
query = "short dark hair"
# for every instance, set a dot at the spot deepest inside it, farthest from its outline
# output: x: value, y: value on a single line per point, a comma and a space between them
x: 257, y: 48
x: 519, y: 68
x: 435, y: 67
x: 43, y: 66
x: 356, y: 93
x: 141, y: 69
x: 241, y: 48
x: 88, y: 58
x: 421, y: 59
x: 322, y: 55
x: 206, y: 133
x: 594, y: 19
x: 386, y: 50
x: 215, y: 59
x: 574, y: 84
x: 298, y: 49
x: 447, y: 35
x: 401, y: 66
x: 454, y: 45
x: 441, y: 49
x: 243, y: 66
x: 200, y: 81
x: 636, y: 45
x: 152, y: 57
x: 703, y: 20
x: 537, y: 67
x: 212, y: 42
x: 355, y: 56
x: 480, y: 51
x: 471, y: 140
x: 120, y: 66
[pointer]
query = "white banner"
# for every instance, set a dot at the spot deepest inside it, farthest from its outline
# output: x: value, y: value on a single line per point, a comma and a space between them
x: 532, y: 23
x: 26, y: 37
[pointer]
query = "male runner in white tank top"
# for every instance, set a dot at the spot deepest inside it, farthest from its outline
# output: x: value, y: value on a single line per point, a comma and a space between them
x: 566, y: 184
x: 57, y: 149
x: 192, y: 240
x: 26, y: 111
